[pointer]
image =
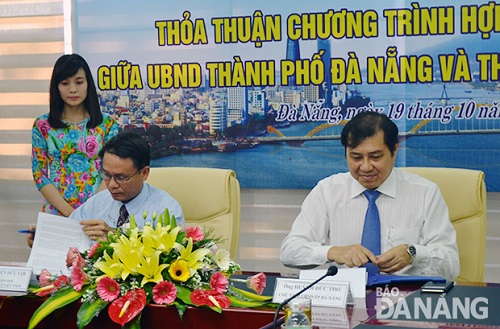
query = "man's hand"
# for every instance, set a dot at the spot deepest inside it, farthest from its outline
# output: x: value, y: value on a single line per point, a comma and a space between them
x: 355, y: 255
x: 394, y: 259
x: 95, y: 228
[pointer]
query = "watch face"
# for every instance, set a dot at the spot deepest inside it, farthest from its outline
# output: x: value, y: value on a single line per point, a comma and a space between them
x: 412, y: 250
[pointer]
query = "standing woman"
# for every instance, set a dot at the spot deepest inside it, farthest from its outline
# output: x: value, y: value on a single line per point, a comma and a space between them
x: 67, y: 140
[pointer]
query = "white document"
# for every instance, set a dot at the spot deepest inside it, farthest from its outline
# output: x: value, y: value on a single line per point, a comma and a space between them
x: 356, y: 276
x: 53, y: 238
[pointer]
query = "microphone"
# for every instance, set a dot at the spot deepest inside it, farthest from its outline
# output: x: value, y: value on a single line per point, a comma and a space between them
x: 332, y: 270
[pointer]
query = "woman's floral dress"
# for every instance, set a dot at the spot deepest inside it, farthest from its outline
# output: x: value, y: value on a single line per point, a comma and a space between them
x: 68, y: 158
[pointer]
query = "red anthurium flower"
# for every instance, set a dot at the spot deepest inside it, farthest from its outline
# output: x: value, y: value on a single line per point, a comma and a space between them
x: 210, y: 298
x: 52, y: 287
x: 127, y: 307
x: 45, y: 290
x: 61, y: 281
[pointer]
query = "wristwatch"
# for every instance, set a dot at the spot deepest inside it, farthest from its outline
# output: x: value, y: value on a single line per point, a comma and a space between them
x: 412, y: 251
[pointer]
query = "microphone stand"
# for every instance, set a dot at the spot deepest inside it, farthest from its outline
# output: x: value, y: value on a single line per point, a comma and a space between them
x: 332, y: 270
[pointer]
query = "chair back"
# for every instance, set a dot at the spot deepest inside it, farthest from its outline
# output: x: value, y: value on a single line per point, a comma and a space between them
x: 209, y: 197
x: 464, y: 191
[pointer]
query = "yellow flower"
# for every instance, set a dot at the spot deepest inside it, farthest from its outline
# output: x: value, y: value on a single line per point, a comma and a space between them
x: 179, y: 270
x: 194, y: 259
x: 149, y: 240
x: 112, y: 267
x: 129, y: 251
x: 151, y: 269
x: 137, y: 257
x: 131, y: 260
x: 161, y: 238
x: 133, y: 242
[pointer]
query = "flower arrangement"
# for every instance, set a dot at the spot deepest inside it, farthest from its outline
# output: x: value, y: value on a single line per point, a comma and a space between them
x: 162, y: 263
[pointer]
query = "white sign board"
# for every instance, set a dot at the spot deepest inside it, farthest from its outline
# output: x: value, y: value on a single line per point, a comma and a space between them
x: 356, y: 276
x: 328, y: 294
x: 14, y: 278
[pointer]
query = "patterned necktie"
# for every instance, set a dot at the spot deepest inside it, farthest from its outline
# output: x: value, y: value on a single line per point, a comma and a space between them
x: 371, y: 229
x: 123, y: 217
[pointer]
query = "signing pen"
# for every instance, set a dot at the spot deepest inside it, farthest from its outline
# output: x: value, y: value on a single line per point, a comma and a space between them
x: 27, y: 231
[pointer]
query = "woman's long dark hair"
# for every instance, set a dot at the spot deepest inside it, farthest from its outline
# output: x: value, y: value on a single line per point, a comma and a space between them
x: 65, y: 67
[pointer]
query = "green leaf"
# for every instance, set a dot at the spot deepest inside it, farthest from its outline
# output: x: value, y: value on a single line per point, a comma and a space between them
x: 181, y: 308
x: 236, y: 302
x: 250, y: 295
x: 88, y: 311
x: 61, y: 298
x: 216, y: 309
x: 184, y: 294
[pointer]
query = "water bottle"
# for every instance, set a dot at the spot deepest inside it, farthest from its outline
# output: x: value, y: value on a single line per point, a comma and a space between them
x: 297, y: 317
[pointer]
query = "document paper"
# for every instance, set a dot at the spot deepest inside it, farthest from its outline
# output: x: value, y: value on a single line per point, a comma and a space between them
x: 53, y: 238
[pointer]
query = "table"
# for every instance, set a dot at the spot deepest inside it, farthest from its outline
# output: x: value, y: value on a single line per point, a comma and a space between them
x: 15, y: 312
x: 364, y: 314
x: 464, y: 306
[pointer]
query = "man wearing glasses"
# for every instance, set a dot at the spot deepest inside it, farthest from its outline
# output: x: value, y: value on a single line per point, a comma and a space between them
x: 125, y: 168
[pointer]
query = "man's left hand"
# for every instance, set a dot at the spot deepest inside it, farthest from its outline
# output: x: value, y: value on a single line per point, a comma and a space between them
x: 394, y: 259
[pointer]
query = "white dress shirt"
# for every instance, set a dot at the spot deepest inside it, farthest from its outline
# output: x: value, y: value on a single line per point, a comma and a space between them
x: 412, y: 211
x: 151, y: 199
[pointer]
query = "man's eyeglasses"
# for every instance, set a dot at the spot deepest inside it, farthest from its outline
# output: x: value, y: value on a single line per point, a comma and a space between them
x: 118, y: 179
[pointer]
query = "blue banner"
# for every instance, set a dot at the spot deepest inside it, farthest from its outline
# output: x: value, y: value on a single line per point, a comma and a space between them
x: 264, y: 88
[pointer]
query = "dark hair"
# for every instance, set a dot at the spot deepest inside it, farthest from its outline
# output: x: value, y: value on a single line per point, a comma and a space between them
x: 129, y: 144
x: 367, y: 124
x: 65, y: 67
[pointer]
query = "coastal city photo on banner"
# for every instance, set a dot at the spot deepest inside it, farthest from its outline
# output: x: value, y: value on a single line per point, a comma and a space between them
x: 265, y: 87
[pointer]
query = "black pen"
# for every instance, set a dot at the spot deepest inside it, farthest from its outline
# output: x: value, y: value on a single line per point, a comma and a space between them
x: 27, y: 231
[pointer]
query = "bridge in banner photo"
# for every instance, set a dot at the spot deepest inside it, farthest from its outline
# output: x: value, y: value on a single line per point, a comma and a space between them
x: 433, y: 127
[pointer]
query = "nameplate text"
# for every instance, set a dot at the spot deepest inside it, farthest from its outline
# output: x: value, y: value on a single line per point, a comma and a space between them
x: 14, y: 278
x: 328, y: 294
